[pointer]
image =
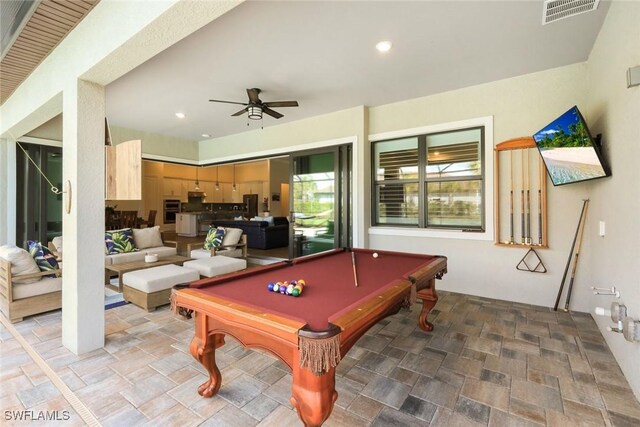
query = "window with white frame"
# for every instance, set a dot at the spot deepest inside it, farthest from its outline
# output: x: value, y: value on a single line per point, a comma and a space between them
x: 433, y: 180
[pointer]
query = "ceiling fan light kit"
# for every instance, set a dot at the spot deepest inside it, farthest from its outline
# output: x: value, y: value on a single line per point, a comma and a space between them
x: 255, y: 113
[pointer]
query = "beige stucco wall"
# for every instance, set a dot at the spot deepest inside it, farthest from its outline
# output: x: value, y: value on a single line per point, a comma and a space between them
x: 519, y: 106
x: 614, y: 110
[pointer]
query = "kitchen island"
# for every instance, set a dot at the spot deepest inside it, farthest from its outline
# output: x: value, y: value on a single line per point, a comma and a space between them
x: 197, y: 223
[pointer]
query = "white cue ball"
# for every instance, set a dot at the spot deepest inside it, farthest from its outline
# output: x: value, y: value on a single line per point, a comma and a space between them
x: 375, y: 254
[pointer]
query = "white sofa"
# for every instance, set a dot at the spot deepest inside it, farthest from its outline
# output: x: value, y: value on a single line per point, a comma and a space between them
x: 148, y: 241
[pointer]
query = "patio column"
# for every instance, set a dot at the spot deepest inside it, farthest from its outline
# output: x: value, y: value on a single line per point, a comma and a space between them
x: 83, y: 225
x: 7, y: 192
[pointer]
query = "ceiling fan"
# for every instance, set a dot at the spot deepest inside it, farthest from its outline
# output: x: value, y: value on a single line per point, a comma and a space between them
x: 255, y: 107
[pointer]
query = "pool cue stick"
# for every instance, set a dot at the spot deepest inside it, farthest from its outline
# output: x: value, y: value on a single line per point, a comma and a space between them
x: 353, y: 263
x: 575, y: 261
x: 511, y: 241
x: 528, y: 240
x: 540, y: 178
x: 566, y: 269
x: 522, y: 230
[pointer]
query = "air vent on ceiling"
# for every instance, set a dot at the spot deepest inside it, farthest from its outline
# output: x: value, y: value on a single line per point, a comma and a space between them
x: 554, y: 10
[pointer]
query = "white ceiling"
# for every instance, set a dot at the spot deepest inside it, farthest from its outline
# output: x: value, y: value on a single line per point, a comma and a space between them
x: 322, y: 55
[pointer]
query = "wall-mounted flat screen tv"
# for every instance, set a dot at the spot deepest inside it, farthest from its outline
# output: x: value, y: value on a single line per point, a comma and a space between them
x: 568, y: 150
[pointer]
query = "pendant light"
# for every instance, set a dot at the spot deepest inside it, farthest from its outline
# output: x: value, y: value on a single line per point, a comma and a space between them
x: 217, y: 182
x: 234, y: 177
x: 197, y: 180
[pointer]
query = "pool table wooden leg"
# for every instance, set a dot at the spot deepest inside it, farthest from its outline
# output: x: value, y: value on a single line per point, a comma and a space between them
x: 313, y: 395
x: 429, y: 299
x: 203, y: 349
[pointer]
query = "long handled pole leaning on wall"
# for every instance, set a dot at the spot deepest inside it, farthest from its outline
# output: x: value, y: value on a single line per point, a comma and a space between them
x: 573, y: 245
x: 575, y: 261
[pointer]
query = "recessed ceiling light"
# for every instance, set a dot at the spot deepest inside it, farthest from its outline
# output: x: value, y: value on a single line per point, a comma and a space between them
x: 180, y: 115
x: 206, y: 135
x: 384, y: 46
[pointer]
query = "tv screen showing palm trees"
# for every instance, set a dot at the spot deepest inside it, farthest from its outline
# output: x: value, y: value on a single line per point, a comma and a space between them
x: 568, y: 150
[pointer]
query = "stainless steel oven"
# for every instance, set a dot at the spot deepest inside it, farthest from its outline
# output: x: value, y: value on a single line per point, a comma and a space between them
x: 171, y: 207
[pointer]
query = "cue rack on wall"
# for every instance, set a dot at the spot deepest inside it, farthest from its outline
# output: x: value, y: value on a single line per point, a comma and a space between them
x: 521, y: 222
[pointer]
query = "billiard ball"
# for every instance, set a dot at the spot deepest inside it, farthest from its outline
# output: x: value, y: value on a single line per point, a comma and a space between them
x: 289, y: 289
x: 270, y: 287
x: 301, y: 282
x: 276, y: 287
x: 375, y: 254
x: 295, y: 292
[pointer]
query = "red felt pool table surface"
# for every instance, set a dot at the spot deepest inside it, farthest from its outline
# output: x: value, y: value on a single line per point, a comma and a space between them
x: 330, y: 289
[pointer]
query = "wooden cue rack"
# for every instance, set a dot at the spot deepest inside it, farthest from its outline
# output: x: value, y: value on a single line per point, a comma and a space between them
x: 515, y: 159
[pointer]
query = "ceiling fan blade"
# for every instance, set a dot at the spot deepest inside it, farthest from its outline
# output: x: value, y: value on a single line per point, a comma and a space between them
x: 239, y: 113
x: 271, y: 113
x: 228, y: 102
x: 281, y: 104
x: 253, y: 95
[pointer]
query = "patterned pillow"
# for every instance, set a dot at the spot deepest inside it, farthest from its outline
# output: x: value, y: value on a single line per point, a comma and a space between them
x: 214, y: 238
x: 119, y: 241
x: 43, y: 257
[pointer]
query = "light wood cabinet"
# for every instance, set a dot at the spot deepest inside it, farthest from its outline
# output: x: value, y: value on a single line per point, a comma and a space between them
x: 230, y: 196
x: 151, y: 197
x: 187, y: 186
x: 213, y: 195
x: 172, y: 187
x: 123, y: 171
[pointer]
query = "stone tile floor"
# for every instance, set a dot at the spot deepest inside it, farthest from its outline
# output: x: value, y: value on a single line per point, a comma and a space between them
x: 487, y: 362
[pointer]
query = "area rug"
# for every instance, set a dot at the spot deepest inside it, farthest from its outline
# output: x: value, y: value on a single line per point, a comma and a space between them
x: 113, y: 298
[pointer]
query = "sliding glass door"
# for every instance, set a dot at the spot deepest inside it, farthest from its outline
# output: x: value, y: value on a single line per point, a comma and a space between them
x: 320, y: 218
x: 39, y: 210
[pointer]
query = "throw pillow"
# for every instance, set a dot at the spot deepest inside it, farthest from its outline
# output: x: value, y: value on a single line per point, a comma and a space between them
x: 119, y: 241
x: 43, y: 257
x: 147, y: 237
x: 214, y: 238
x: 21, y: 262
x: 232, y: 236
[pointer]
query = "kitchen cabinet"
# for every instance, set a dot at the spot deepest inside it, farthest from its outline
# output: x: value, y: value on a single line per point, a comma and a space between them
x: 151, y: 199
x: 172, y: 187
x: 227, y: 192
x: 189, y: 186
x: 186, y: 224
x: 213, y: 195
x: 123, y: 171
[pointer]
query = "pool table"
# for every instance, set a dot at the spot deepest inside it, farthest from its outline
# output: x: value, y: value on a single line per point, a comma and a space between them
x: 309, y: 333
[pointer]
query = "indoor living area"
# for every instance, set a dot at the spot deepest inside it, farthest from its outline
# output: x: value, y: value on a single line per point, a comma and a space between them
x: 363, y: 214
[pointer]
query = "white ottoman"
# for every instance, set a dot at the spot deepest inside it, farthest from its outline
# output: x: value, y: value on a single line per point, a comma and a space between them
x: 151, y: 287
x: 214, y: 266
